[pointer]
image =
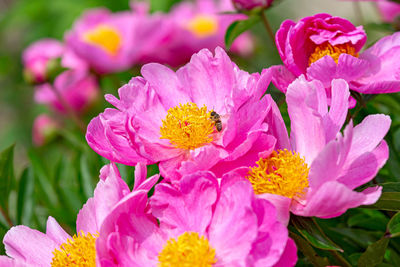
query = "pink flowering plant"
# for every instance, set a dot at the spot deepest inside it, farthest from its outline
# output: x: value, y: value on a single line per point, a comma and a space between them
x: 226, y: 133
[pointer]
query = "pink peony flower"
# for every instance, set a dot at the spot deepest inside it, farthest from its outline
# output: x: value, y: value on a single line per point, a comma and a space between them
x: 317, y: 174
x: 197, y: 222
x: 44, y: 128
x: 389, y: 10
x: 190, y: 27
x: 324, y: 48
x: 29, y: 247
x: 250, y: 4
x: 39, y: 58
x: 166, y: 117
x: 75, y: 88
x: 104, y: 40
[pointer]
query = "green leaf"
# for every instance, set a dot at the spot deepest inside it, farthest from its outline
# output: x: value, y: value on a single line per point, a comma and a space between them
x: 25, y: 201
x: 387, y: 201
x: 238, y: 27
x: 162, y: 5
x: 368, y: 219
x: 374, y: 253
x: 311, y: 231
x: 308, y: 251
x: 390, y: 187
x: 43, y: 179
x: 86, y: 178
x: 393, y: 227
x: 6, y: 175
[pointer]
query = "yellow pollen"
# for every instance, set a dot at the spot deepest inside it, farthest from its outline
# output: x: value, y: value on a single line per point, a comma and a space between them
x: 203, y: 26
x: 282, y: 173
x: 187, y: 126
x: 78, y: 251
x: 190, y: 250
x: 327, y: 49
x: 105, y: 37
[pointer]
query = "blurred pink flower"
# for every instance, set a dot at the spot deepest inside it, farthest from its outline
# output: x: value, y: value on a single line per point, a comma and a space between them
x: 190, y: 27
x: 29, y: 247
x: 389, y: 10
x: 44, y: 128
x: 317, y: 174
x: 250, y: 4
x: 104, y: 40
x: 324, y: 48
x: 165, y: 117
x: 39, y: 58
x: 217, y: 224
x: 77, y: 89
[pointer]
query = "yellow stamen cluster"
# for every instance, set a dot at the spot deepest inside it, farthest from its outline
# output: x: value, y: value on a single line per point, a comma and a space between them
x: 187, y: 126
x: 327, y: 49
x: 190, y: 250
x: 203, y: 26
x: 78, y: 251
x: 105, y: 37
x: 282, y: 173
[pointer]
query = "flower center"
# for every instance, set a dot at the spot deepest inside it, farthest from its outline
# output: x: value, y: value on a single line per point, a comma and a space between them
x: 105, y: 37
x: 189, y: 250
x: 203, y: 26
x: 327, y: 49
x: 78, y: 251
x: 282, y: 173
x: 187, y: 126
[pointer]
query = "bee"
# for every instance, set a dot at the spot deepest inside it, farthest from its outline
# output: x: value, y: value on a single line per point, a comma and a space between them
x: 214, y: 116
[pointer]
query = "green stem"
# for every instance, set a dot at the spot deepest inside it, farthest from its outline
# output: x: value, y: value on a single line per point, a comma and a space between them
x: 267, y: 26
x: 5, y: 215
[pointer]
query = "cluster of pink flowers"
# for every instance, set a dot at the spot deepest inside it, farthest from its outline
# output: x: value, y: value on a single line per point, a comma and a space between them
x: 231, y: 172
x: 101, y: 42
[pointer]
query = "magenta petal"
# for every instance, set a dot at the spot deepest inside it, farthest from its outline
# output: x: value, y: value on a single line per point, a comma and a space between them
x: 188, y: 207
x: 166, y: 83
x: 106, y: 195
x: 234, y: 225
x: 56, y: 232
x: 31, y: 246
x: 281, y: 77
x: 368, y: 134
x: 305, y: 125
x: 333, y: 199
x: 289, y: 256
x: 140, y: 174
x: 338, y: 110
x: 282, y: 205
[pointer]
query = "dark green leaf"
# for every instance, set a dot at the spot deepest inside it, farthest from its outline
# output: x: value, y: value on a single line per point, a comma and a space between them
x: 387, y: 201
x: 25, y: 200
x: 310, y: 230
x: 368, y: 219
x: 86, y: 178
x: 6, y: 175
x: 390, y: 187
x: 374, y: 253
x: 162, y: 5
x: 238, y: 27
x: 393, y: 227
x: 308, y: 251
x: 42, y: 179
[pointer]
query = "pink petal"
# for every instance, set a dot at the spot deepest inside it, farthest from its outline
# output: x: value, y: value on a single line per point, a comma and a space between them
x: 289, y: 256
x: 234, y: 225
x: 56, y: 232
x: 281, y: 77
x: 30, y: 246
x: 187, y: 207
x: 333, y: 199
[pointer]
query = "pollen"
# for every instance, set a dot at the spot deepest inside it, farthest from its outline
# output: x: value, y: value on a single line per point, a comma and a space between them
x: 105, y: 37
x: 189, y: 250
x: 282, y: 173
x: 188, y: 126
x: 203, y: 26
x: 78, y: 251
x: 327, y: 49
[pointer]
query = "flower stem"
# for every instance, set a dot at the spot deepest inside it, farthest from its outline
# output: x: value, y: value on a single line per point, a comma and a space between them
x: 267, y: 26
x: 5, y: 215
